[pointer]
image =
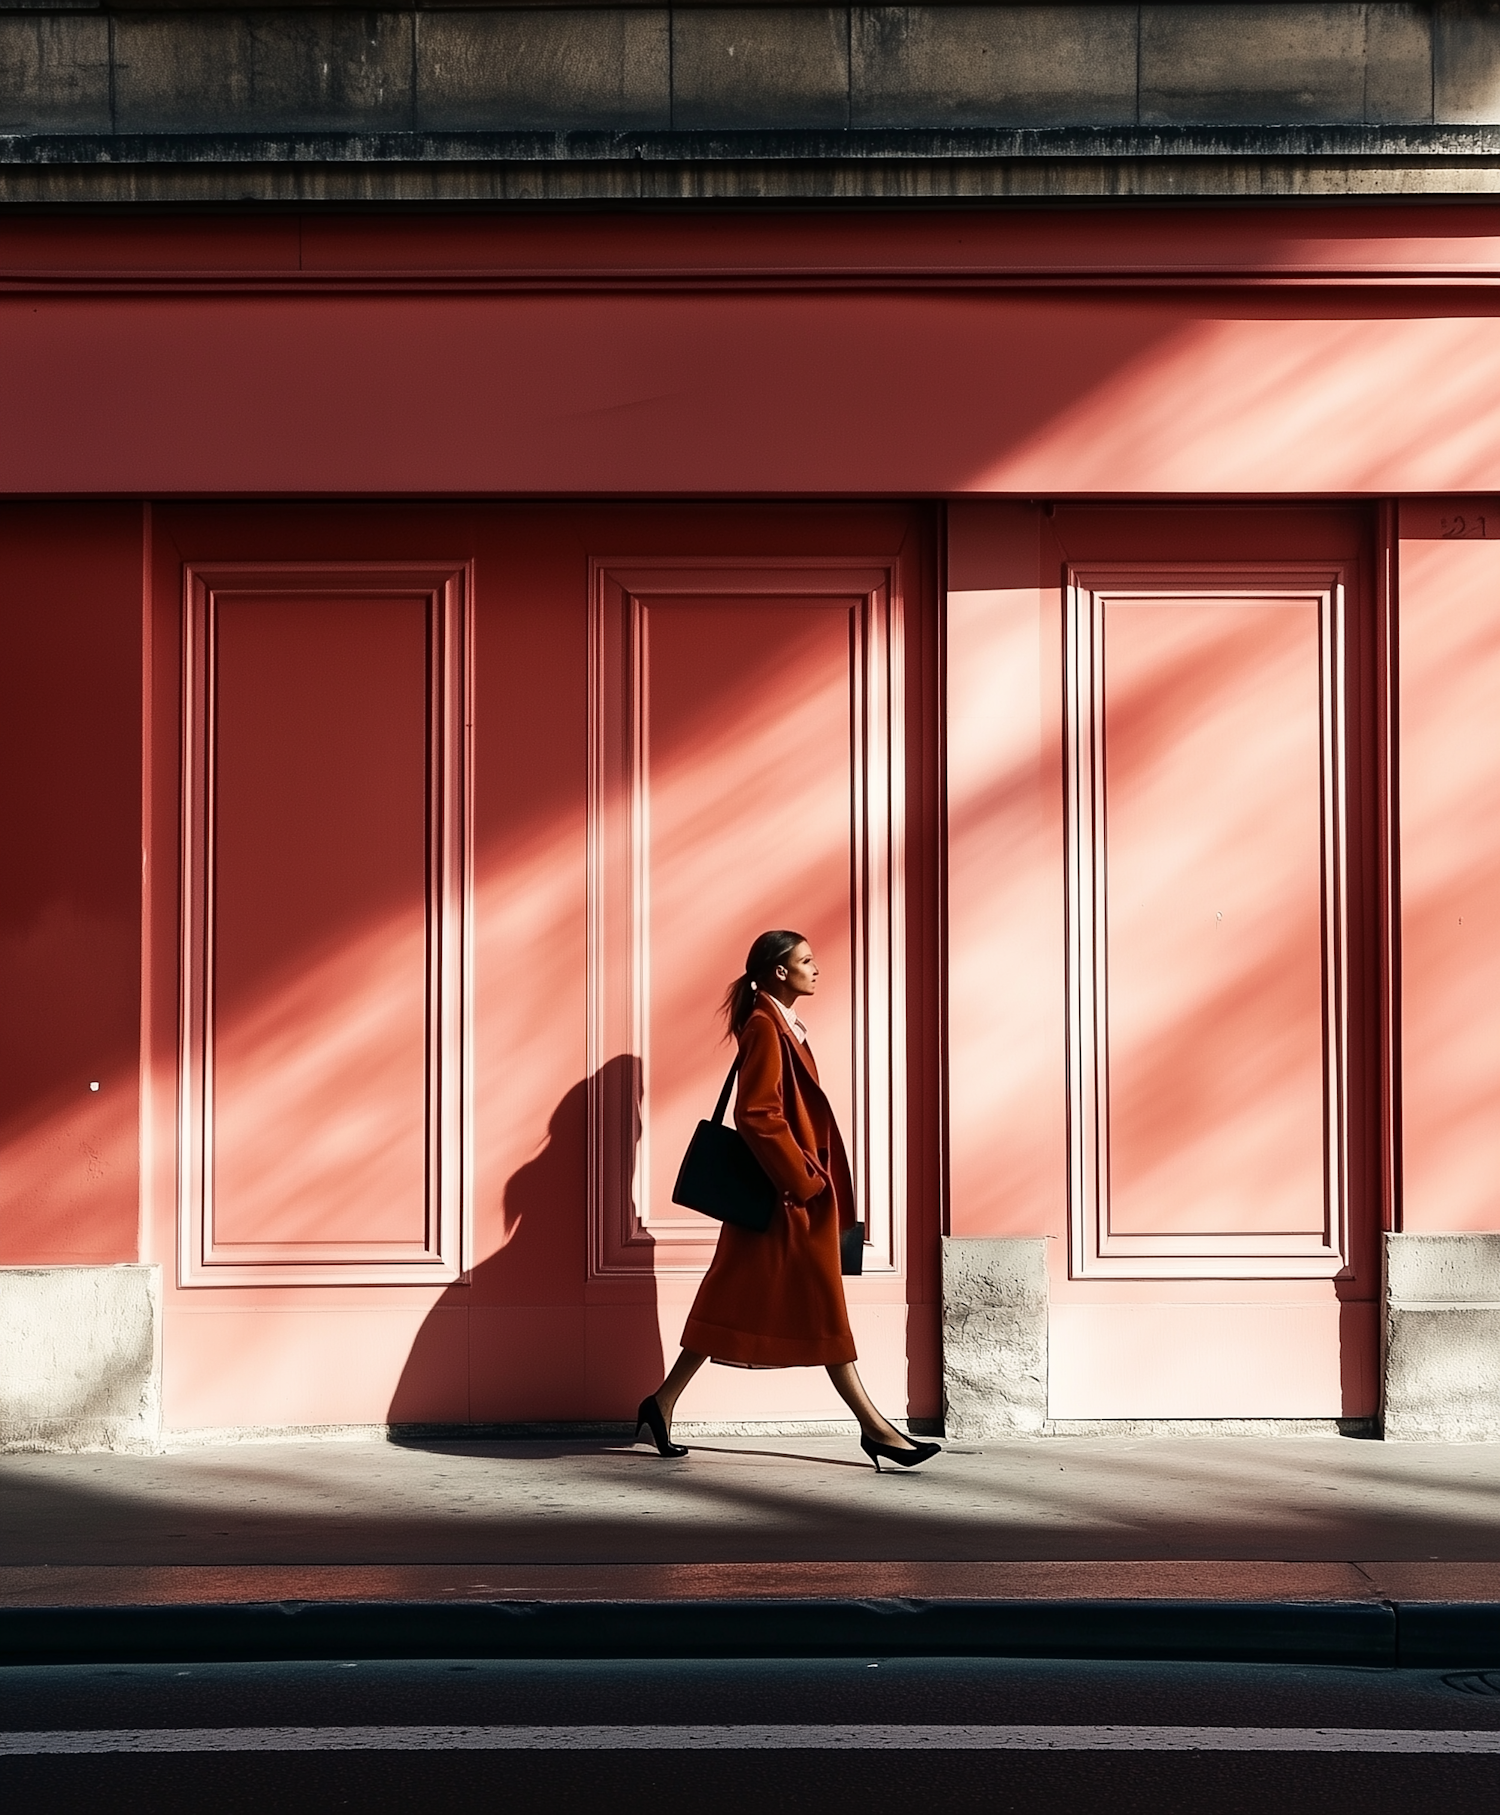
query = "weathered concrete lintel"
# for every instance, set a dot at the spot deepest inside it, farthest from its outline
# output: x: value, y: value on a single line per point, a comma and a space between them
x: 770, y: 145
x: 199, y: 64
x: 479, y: 169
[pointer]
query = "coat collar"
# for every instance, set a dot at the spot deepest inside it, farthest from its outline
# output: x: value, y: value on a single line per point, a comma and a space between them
x: 802, y: 1055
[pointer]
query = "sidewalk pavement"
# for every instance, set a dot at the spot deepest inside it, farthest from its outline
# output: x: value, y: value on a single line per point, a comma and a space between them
x: 1289, y: 1547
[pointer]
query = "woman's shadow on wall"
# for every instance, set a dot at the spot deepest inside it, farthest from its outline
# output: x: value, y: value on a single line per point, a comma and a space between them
x: 530, y: 1340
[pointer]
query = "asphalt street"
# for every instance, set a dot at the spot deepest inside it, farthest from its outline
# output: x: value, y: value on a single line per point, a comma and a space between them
x: 693, y: 1737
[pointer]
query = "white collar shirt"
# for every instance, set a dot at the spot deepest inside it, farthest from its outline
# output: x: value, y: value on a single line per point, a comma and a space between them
x: 789, y: 1015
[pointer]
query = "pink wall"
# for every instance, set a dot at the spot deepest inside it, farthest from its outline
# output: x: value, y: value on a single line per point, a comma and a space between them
x: 70, y: 881
x: 1274, y: 352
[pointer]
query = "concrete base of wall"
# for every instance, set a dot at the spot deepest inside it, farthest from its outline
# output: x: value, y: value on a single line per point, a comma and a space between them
x: 80, y: 1358
x: 1442, y: 1337
x: 994, y: 1336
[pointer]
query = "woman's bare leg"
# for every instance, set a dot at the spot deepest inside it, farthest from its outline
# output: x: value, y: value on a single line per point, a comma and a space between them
x: 850, y: 1388
x: 670, y: 1391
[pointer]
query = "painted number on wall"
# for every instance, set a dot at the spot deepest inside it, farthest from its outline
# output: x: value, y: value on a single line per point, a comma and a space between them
x: 1464, y: 529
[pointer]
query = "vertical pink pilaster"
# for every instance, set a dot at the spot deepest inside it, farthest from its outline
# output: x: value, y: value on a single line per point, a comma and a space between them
x: 1449, y: 753
x: 1006, y: 985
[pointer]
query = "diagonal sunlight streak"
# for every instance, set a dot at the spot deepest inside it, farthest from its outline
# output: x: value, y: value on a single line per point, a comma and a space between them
x: 325, y: 1160
x: 313, y: 1158
x: 343, y: 1010
x: 1303, y: 411
x: 1215, y: 933
x: 750, y: 827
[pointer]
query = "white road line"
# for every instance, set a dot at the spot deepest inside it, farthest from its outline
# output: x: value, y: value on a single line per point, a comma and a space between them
x: 750, y: 1738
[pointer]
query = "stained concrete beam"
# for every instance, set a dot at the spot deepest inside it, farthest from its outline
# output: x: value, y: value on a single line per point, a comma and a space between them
x: 1466, y: 63
x: 325, y: 68
x: 536, y: 170
x: 1398, y: 65
x: 310, y: 71
x: 54, y: 73
x: 184, y: 78
x: 1248, y: 64
x: 534, y: 69
x: 992, y: 65
x: 785, y: 66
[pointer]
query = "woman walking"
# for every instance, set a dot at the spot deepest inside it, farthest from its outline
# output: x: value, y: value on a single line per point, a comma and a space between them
x: 775, y: 1299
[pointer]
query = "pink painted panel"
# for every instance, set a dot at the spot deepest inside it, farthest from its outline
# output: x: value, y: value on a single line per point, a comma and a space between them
x: 747, y: 743
x: 1449, y: 615
x: 528, y: 1362
x: 1082, y: 393
x: 1223, y: 1359
x: 1226, y: 755
x: 311, y: 1361
x: 751, y: 786
x: 1213, y: 778
x: 320, y: 840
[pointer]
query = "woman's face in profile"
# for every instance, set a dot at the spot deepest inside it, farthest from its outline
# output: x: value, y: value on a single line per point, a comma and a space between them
x: 800, y: 970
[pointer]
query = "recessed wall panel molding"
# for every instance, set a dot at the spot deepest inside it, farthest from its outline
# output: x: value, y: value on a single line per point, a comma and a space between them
x: 747, y: 771
x: 323, y: 1119
x: 1207, y: 934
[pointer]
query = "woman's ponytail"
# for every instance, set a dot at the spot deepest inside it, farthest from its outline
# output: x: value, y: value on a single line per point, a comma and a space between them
x: 738, y: 1001
x: 769, y: 950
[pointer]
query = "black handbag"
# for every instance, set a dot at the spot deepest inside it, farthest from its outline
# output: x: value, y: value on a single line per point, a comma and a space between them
x: 852, y: 1249
x: 721, y: 1177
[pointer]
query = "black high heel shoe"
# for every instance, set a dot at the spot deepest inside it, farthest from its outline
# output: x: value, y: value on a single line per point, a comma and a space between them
x: 905, y: 1458
x: 649, y: 1418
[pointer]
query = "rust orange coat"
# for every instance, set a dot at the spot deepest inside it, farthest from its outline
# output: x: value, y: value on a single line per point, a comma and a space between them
x: 776, y: 1299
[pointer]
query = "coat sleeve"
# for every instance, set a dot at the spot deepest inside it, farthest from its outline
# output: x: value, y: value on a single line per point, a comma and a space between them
x: 761, y: 1118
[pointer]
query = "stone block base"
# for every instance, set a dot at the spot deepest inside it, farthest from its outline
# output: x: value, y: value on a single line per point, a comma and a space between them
x: 1442, y: 1337
x: 80, y: 1358
x: 994, y: 1336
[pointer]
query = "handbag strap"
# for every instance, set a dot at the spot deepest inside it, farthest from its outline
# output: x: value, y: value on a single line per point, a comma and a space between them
x: 723, y: 1102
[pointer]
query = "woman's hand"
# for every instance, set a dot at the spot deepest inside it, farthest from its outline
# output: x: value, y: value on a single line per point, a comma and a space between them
x: 824, y: 1178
